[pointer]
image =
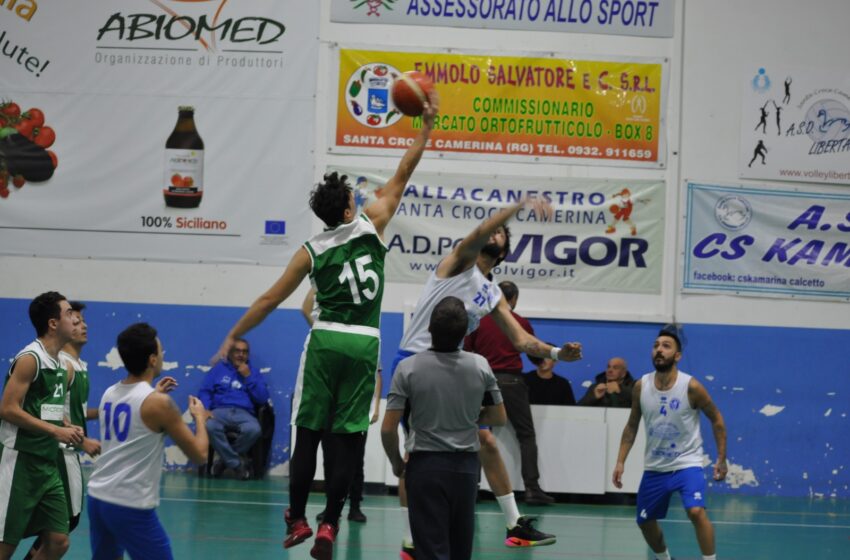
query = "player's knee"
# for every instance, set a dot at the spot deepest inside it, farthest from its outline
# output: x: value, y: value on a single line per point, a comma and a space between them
x: 697, y: 514
x: 57, y: 544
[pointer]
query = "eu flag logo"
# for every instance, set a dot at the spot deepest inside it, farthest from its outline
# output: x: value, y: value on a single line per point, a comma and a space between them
x: 275, y: 227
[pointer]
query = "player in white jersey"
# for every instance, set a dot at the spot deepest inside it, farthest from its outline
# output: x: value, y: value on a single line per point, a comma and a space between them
x: 134, y: 420
x: 465, y: 274
x: 670, y: 401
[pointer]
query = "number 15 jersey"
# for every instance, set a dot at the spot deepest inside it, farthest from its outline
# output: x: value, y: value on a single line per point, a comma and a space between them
x: 128, y: 470
x: 348, y: 273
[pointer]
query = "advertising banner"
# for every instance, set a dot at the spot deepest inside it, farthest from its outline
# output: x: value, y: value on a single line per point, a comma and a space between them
x: 643, y: 18
x: 604, y: 235
x: 763, y: 242
x: 157, y: 129
x: 795, y: 125
x: 527, y: 108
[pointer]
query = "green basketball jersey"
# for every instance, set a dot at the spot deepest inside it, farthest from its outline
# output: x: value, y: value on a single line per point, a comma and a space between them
x: 78, y: 392
x: 45, y: 399
x: 348, y: 273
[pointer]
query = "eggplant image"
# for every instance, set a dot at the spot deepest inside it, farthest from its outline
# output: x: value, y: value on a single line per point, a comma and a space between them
x: 20, y: 156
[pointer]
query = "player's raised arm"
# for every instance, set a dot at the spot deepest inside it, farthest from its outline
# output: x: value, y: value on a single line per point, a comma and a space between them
x: 383, y: 209
x: 465, y: 253
x: 296, y: 270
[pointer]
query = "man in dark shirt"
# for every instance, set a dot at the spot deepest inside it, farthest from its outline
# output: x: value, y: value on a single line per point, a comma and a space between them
x: 612, y: 387
x: 506, y: 362
x: 545, y: 387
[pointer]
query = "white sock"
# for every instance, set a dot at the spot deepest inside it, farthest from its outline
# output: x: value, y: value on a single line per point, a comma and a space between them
x: 663, y: 555
x: 709, y: 557
x: 407, y: 537
x: 509, y: 508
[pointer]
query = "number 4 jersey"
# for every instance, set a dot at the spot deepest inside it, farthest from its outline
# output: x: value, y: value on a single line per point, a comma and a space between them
x: 128, y: 470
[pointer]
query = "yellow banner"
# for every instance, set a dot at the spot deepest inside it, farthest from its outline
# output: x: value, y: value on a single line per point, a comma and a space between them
x: 511, y: 105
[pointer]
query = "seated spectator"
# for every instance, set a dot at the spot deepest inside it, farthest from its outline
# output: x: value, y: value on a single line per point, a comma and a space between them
x: 546, y: 387
x: 231, y: 391
x: 612, y: 387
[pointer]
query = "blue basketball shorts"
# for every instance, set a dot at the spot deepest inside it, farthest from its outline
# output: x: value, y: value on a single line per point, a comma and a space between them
x: 114, y: 529
x: 655, y: 490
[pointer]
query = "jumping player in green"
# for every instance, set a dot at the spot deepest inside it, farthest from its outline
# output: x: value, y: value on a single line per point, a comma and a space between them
x: 345, y: 264
x: 31, y: 428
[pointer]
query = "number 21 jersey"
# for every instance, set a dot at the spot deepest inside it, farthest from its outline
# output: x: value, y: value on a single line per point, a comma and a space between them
x: 128, y: 470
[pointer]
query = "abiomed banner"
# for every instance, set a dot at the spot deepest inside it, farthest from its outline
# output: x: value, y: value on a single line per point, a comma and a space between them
x: 526, y: 108
x: 767, y: 242
x: 643, y: 18
x: 604, y: 236
x: 795, y: 125
x: 99, y: 163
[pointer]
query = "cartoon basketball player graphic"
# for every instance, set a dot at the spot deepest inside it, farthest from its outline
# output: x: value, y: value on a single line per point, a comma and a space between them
x: 622, y: 212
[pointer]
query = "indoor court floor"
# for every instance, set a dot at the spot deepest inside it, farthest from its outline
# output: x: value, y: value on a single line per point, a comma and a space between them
x: 224, y: 519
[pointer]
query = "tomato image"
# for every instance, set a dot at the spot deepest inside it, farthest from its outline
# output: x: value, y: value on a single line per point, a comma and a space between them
x: 18, y: 181
x: 25, y: 127
x: 373, y: 120
x: 176, y: 180
x: 380, y: 70
x: 10, y: 109
x: 35, y: 116
x: 45, y: 137
x: 53, y: 159
x: 188, y: 182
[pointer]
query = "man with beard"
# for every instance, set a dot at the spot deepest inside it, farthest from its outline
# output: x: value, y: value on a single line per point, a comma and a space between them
x: 669, y: 401
x: 465, y: 274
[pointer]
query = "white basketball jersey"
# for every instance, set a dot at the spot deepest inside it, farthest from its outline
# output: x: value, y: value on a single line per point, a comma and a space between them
x: 128, y: 471
x: 673, y: 439
x: 478, y: 294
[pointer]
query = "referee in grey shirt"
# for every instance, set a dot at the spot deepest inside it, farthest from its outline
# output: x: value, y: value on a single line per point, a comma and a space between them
x: 449, y: 392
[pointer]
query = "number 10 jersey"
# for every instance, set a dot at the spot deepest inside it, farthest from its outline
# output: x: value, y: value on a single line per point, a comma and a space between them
x: 128, y: 470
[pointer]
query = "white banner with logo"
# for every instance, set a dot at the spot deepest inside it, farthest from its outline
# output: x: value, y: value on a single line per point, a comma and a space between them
x: 90, y: 129
x: 795, y: 125
x: 767, y: 242
x: 643, y: 18
x: 605, y: 235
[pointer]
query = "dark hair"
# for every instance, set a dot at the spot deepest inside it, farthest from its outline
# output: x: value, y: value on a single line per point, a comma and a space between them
x: 509, y: 289
x: 672, y: 334
x: 448, y: 324
x: 44, y: 308
x: 136, y: 344
x: 329, y: 200
x: 507, y: 249
x: 77, y: 306
x: 537, y: 361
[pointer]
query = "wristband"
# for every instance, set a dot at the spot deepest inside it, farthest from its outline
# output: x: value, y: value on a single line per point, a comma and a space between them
x: 553, y: 353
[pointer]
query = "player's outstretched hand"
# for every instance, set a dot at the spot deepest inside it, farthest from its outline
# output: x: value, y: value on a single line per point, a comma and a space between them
x: 432, y: 106
x: 570, y: 352
x: 223, y: 350
x: 541, y: 208
x: 166, y: 385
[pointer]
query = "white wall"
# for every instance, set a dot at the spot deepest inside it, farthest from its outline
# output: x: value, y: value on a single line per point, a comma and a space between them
x: 715, y: 41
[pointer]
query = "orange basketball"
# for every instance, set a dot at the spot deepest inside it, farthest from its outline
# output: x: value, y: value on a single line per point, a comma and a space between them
x: 410, y: 92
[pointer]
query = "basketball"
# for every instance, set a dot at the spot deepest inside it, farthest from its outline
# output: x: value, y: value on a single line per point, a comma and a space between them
x: 410, y: 92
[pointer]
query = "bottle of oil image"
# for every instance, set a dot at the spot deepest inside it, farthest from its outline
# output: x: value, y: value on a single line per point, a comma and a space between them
x: 184, y: 162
